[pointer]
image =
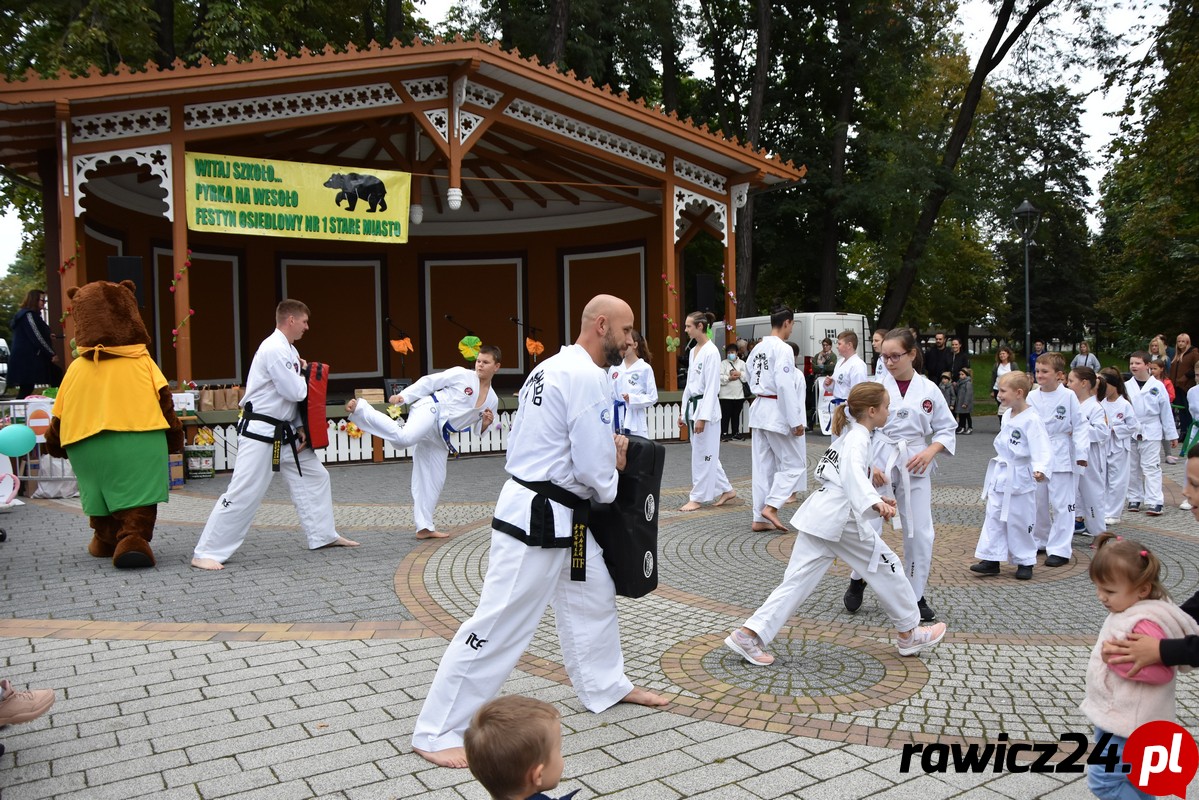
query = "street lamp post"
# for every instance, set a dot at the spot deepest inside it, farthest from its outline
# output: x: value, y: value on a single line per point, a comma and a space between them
x: 1026, y: 217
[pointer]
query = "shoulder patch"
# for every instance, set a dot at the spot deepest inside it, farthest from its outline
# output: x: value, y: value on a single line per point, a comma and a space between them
x: 606, y: 416
x: 469, y: 390
x: 927, y: 405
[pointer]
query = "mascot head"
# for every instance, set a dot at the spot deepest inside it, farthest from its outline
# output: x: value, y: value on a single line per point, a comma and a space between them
x: 106, y: 313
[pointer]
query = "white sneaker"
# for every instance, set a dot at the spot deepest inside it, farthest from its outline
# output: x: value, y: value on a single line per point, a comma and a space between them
x: 749, y: 648
x: 1185, y: 505
x: 1110, y: 521
x: 921, y: 638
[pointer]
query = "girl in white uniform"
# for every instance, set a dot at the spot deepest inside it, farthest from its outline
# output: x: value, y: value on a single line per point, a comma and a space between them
x: 444, y: 403
x: 1022, y: 459
x: 1122, y: 422
x: 920, y: 427
x: 838, y: 520
x: 634, y: 391
x: 876, y: 344
x: 1089, y: 505
x: 701, y: 411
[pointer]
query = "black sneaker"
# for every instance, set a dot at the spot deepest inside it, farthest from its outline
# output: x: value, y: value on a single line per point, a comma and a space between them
x: 985, y: 568
x: 1153, y: 511
x: 853, y: 595
x: 926, y: 611
x: 1056, y: 561
x: 1024, y: 573
x: 1134, y: 507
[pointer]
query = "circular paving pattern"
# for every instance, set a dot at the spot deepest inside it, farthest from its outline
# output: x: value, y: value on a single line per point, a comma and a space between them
x: 812, y: 674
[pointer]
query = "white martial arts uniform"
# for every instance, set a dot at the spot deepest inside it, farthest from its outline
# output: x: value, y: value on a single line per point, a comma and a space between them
x: 1010, y: 490
x: 914, y: 421
x: 637, y: 381
x: 701, y: 401
x: 1090, y: 502
x: 1068, y: 439
x: 274, y: 388
x: 1122, y: 420
x: 780, y: 458
x: 1152, y: 406
x: 848, y: 373
x: 838, y: 521
x: 439, y: 405
x: 562, y: 434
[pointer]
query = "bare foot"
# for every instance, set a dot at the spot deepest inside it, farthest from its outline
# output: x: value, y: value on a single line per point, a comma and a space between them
x: 427, y: 534
x: 727, y: 498
x: 761, y: 527
x: 453, y: 757
x: 644, y: 697
x: 772, y: 515
x: 206, y: 563
x: 340, y: 541
x: 690, y: 505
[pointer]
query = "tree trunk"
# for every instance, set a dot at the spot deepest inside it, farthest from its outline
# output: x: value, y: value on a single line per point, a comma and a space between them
x: 747, y: 277
x: 555, y: 35
x: 393, y: 24
x: 668, y: 36
x: 165, y: 32
x: 900, y: 286
x: 830, y: 238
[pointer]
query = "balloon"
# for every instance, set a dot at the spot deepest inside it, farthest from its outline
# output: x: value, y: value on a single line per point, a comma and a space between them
x: 17, y: 440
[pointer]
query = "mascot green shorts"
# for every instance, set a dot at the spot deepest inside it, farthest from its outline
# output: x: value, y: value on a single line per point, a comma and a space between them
x: 121, y: 469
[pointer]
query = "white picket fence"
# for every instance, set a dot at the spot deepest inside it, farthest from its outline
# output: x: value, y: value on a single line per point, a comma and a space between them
x: 662, y: 419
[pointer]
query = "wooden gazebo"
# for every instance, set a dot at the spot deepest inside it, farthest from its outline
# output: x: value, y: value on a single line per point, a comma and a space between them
x: 530, y: 191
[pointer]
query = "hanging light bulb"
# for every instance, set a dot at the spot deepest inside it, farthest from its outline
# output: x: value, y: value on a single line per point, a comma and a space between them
x: 453, y: 197
x: 416, y: 213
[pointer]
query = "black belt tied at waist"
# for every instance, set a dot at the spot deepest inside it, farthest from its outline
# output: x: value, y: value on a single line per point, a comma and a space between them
x: 283, y: 434
x: 541, y: 524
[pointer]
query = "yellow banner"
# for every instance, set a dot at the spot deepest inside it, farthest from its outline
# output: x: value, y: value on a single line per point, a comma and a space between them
x: 228, y: 194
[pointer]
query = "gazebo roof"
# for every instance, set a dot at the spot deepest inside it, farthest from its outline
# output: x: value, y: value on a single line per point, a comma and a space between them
x: 525, y: 141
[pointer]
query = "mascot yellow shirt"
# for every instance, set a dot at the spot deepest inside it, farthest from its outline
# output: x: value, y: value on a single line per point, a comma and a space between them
x: 116, y: 392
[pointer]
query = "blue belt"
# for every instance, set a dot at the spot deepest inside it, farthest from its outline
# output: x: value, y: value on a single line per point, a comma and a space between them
x: 838, y: 401
x: 617, y: 405
x: 446, y: 430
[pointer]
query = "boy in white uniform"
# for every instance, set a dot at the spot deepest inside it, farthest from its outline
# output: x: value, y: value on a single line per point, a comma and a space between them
x: 1058, y: 408
x: 1089, y: 507
x: 441, y: 404
x: 776, y: 417
x: 850, y: 370
x: 1022, y: 459
x: 562, y: 454
x: 1152, y: 406
x: 271, y: 418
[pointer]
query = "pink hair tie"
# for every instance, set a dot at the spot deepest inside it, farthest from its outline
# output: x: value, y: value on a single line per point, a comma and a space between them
x: 1145, y: 553
x: 1119, y: 538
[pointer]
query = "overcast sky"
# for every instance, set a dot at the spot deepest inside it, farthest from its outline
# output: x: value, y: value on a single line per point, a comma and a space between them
x: 976, y: 23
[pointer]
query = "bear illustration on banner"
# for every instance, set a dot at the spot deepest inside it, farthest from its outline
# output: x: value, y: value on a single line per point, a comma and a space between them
x: 353, y: 187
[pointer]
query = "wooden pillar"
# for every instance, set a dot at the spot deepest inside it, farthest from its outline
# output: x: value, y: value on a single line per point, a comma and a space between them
x: 730, y: 266
x: 670, y: 268
x: 181, y: 310
x: 69, y: 262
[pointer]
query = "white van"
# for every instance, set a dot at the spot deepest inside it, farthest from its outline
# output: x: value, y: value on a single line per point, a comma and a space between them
x: 810, y: 329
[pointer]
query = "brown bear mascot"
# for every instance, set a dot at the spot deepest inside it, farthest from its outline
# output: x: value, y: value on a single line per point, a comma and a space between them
x: 115, y: 421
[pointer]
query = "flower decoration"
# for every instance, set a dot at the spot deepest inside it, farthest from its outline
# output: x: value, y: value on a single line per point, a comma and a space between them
x: 670, y: 285
x: 674, y: 325
x: 353, y: 431
x: 179, y: 275
x: 402, y: 346
x: 672, y: 344
x: 191, y: 312
x: 204, y: 437
x: 534, y: 347
x: 70, y: 262
x: 469, y: 346
x: 395, y: 411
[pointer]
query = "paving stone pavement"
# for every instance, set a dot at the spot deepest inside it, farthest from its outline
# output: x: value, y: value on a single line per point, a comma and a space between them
x: 298, y: 674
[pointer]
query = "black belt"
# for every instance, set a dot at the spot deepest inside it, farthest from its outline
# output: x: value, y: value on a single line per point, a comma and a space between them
x: 541, y: 523
x: 283, y: 435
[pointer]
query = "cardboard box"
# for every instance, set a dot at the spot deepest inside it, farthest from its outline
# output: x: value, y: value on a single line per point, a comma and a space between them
x: 370, y: 395
x: 176, y: 462
x: 200, y: 460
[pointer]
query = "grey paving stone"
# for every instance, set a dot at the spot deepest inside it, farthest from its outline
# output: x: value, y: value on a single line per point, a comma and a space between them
x: 780, y: 782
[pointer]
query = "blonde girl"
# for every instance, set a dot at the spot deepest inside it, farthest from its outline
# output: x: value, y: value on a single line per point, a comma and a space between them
x: 840, y: 520
x: 701, y: 412
x: 1127, y: 578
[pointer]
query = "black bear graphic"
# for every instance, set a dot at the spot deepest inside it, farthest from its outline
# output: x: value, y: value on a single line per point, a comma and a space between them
x: 353, y: 187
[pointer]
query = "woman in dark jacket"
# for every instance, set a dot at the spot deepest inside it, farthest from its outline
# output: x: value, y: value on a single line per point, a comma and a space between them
x: 32, y: 360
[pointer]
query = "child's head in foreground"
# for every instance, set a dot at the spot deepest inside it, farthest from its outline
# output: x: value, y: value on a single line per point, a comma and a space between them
x: 1124, y: 572
x: 514, y: 747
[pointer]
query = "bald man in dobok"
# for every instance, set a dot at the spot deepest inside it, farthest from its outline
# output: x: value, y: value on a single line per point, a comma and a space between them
x: 561, y: 456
